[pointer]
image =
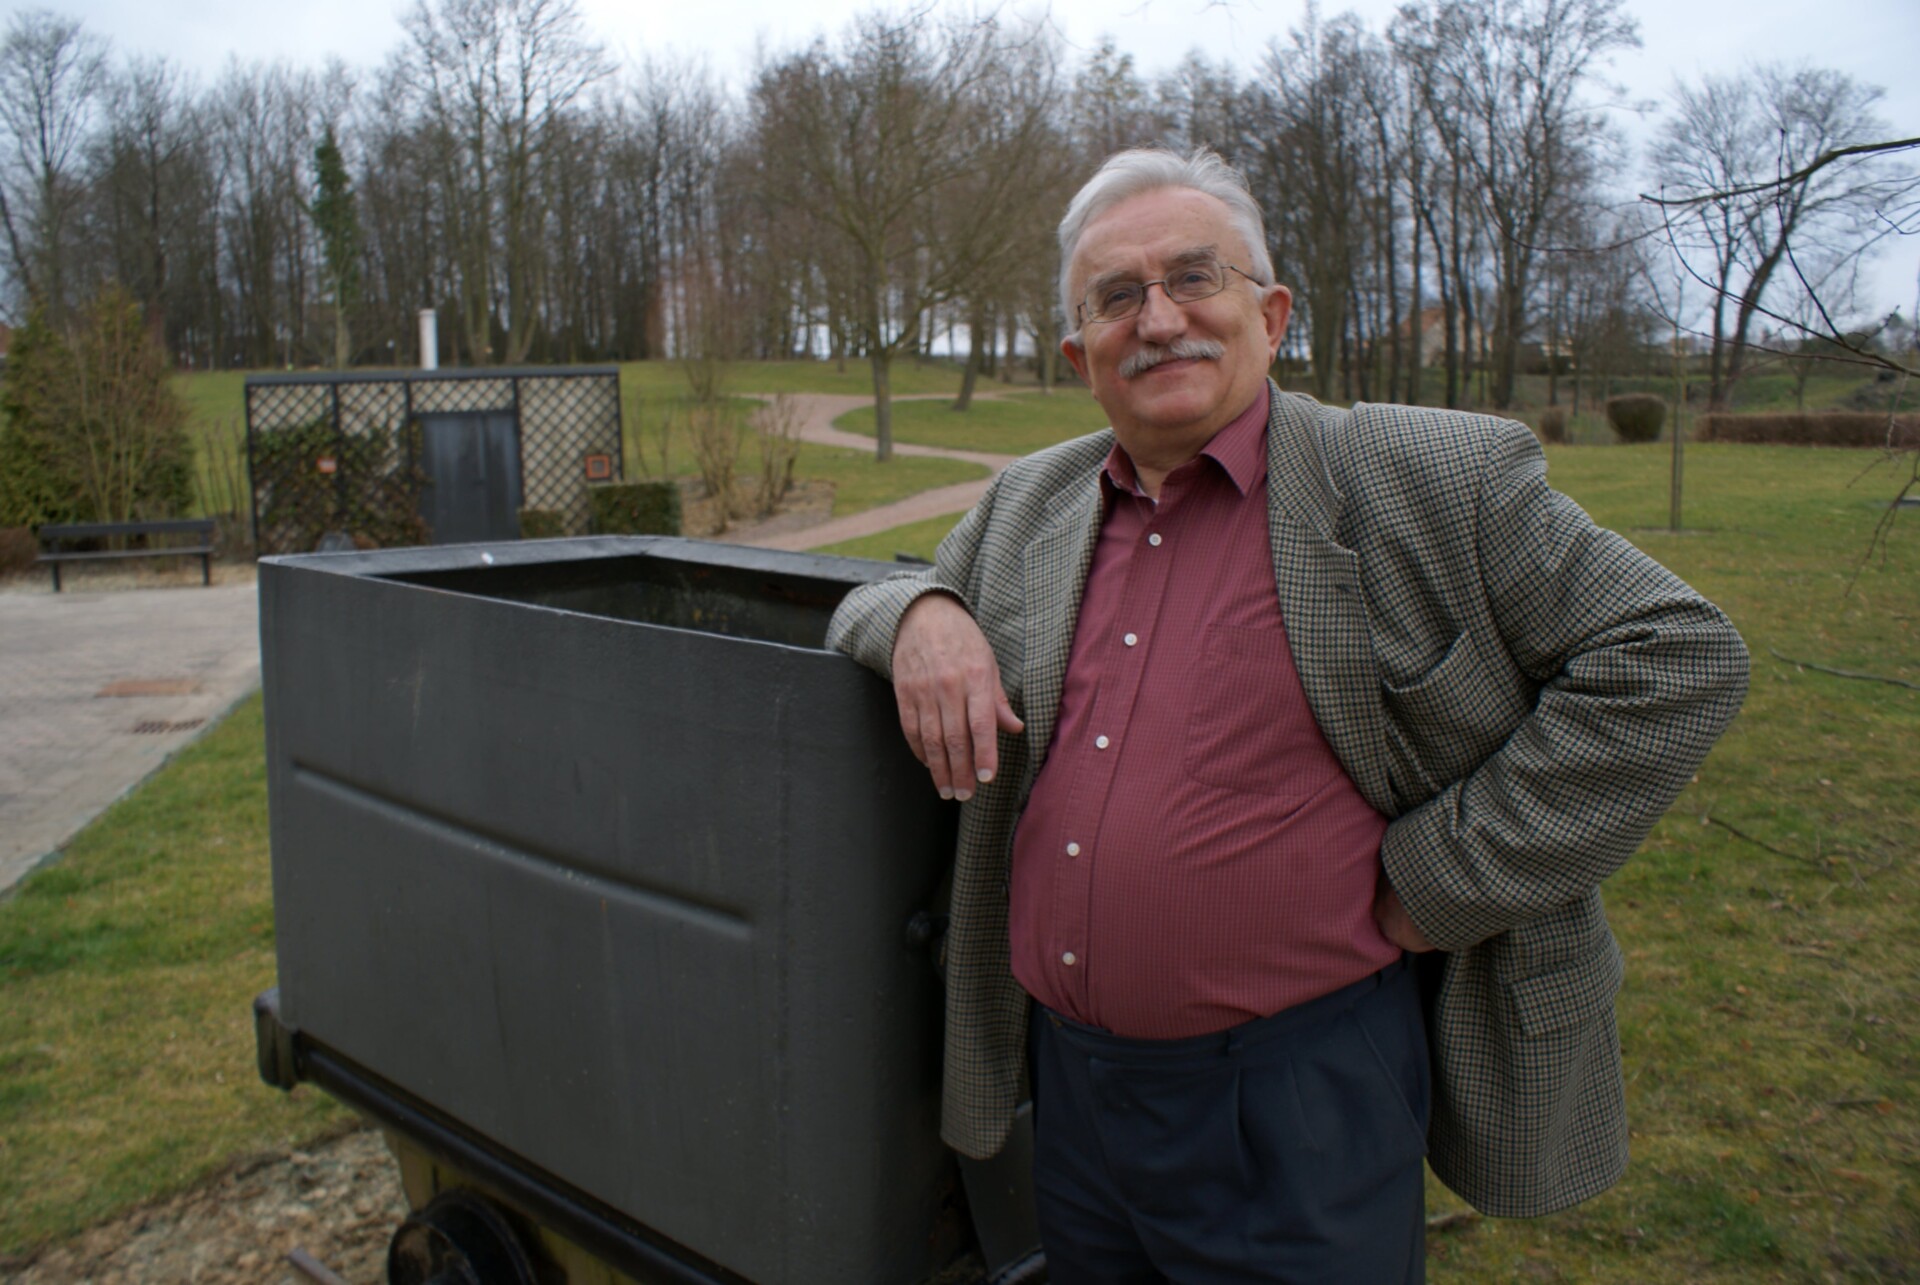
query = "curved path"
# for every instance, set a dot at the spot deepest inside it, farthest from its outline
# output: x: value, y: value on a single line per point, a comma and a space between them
x: 818, y: 411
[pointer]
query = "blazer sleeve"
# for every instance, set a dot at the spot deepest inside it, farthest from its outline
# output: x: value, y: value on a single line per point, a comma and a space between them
x: 868, y: 618
x: 1638, y: 677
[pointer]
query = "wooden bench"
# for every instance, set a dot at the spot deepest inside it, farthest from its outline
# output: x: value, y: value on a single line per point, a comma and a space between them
x: 199, y: 531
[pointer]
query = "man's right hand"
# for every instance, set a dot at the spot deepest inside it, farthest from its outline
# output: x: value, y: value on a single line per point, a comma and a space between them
x: 951, y: 701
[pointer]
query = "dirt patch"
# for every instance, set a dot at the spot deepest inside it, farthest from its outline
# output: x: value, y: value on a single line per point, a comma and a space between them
x: 340, y: 1200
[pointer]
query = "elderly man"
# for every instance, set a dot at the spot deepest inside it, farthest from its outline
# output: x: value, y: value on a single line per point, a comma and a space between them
x: 1291, y: 742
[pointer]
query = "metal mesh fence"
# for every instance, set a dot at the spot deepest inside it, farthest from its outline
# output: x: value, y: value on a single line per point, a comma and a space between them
x: 342, y: 452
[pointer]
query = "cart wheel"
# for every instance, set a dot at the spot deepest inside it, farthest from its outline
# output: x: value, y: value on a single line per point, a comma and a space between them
x: 458, y: 1239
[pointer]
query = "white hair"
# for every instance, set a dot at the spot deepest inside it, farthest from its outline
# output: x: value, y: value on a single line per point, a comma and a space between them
x: 1147, y: 169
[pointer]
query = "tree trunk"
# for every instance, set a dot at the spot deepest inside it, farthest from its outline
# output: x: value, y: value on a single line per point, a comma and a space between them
x: 880, y: 358
x: 976, y: 342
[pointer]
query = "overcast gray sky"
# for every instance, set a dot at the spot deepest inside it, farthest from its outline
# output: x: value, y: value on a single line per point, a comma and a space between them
x: 1877, y: 41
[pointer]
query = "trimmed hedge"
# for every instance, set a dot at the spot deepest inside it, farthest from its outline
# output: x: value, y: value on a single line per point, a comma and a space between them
x: 1636, y: 417
x: 542, y: 524
x: 635, y: 508
x: 1811, y: 428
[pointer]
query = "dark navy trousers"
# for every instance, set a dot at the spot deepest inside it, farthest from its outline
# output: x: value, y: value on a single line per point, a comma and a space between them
x: 1288, y: 1149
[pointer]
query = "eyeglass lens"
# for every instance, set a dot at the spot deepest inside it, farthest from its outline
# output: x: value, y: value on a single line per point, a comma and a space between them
x: 1190, y: 284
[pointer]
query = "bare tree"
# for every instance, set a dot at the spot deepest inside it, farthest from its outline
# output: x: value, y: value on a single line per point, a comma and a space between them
x: 902, y: 146
x: 263, y: 121
x: 494, y: 77
x: 51, y: 74
x: 150, y: 170
x: 1308, y: 142
x: 1109, y: 107
x: 1730, y: 162
x: 1507, y: 78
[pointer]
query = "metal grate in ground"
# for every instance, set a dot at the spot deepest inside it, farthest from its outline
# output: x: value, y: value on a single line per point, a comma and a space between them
x: 161, y: 727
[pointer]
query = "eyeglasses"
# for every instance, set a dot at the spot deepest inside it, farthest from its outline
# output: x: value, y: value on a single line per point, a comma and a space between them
x: 1118, y: 300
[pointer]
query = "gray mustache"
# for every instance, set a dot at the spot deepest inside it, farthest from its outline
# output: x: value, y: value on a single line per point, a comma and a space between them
x: 1152, y: 355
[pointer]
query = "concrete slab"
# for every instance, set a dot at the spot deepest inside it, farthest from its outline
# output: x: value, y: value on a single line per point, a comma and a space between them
x: 170, y: 661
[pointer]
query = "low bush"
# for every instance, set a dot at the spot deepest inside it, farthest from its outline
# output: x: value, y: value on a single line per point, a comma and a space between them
x: 18, y: 549
x: 542, y: 524
x: 778, y: 423
x: 714, y: 428
x: 1553, y: 424
x: 1636, y: 417
x: 1812, y: 428
x: 635, y: 508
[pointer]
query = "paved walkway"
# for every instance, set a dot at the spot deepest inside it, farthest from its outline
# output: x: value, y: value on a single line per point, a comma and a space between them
x: 97, y: 688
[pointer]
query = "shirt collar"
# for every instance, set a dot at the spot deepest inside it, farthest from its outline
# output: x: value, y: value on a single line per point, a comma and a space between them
x: 1240, y: 449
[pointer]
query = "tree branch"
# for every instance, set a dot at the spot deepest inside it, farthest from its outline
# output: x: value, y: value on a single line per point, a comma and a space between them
x: 1806, y: 171
x: 1843, y: 673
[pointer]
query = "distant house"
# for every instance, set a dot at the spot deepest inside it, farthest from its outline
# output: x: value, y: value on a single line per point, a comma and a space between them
x: 1433, y: 336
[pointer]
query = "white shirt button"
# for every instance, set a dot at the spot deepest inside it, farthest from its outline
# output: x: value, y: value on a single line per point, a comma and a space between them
x: 1131, y: 639
x: 1154, y: 539
x: 1067, y: 959
x: 1073, y: 849
x: 1100, y: 742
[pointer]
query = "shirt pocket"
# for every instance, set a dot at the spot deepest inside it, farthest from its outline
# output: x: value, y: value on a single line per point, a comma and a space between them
x: 1249, y: 727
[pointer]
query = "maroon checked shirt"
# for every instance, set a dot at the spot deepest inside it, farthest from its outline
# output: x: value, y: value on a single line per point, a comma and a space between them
x: 1193, y: 855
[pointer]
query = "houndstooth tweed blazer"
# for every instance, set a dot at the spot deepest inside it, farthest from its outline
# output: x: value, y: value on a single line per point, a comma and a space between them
x: 1520, y: 691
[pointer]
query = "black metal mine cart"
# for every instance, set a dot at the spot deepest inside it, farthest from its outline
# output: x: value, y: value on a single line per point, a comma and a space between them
x: 606, y: 892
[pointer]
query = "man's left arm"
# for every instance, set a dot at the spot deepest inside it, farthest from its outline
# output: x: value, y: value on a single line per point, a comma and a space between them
x: 1640, y: 675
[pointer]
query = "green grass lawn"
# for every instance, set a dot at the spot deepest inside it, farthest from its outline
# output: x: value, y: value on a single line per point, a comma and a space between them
x: 1017, y: 425
x: 861, y: 483
x: 126, y: 971
x: 657, y: 429
x: 908, y: 377
x: 1769, y: 1019
x: 917, y: 538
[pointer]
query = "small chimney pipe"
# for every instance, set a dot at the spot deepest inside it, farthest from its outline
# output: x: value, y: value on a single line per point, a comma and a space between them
x: 429, y: 339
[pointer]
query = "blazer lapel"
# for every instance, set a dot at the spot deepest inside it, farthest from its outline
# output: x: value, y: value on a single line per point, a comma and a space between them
x: 1053, y: 574
x: 1321, y: 598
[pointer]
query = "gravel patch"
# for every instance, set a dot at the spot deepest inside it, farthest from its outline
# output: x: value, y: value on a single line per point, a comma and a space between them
x: 340, y: 1200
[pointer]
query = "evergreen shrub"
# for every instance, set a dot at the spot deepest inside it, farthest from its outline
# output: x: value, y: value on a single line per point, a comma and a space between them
x: 90, y: 427
x: 1636, y: 417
